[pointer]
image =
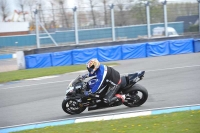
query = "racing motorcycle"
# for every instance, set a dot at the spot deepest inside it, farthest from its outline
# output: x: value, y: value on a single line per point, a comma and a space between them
x: 130, y: 94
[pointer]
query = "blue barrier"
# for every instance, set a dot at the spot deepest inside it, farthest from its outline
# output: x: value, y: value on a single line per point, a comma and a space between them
x: 6, y: 56
x: 61, y: 58
x: 130, y: 31
x: 181, y: 46
x: 81, y: 56
x: 22, y: 40
x: 68, y: 36
x: 92, y: 34
x: 38, y: 61
x: 157, y: 48
x: 131, y: 51
x: 110, y: 53
x: 197, y: 45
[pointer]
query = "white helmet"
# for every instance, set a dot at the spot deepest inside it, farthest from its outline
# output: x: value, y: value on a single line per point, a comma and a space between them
x: 92, y: 65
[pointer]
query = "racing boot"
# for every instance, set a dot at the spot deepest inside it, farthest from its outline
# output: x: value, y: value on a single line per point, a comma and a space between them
x: 110, y: 98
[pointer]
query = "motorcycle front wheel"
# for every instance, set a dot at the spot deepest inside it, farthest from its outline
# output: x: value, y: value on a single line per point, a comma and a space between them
x: 71, y: 106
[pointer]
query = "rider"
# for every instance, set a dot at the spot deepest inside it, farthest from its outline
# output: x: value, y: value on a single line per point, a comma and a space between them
x: 105, y: 76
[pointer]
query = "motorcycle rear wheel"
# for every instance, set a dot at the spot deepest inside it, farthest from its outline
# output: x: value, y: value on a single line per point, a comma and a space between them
x: 133, y: 93
x: 71, y: 106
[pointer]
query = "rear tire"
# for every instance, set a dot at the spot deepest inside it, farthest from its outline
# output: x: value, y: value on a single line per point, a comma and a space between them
x: 133, y: 93
x: 71, y: 106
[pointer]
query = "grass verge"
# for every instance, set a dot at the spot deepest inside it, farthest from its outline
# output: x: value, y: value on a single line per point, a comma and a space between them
x: 34, y: 73
x: 180, y: 122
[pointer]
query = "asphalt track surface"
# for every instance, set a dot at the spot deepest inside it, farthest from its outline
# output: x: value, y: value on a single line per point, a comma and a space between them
x: 8, y: 65
x: 171, y: 81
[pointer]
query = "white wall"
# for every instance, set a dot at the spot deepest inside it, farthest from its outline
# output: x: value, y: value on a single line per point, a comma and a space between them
x: 14, y: 26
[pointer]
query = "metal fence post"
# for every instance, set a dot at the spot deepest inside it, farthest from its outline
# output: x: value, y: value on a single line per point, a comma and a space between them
x: 148, y: 19
x: 199, y: 14
x: 76, y: 25
x: 165, y: 17
x: 113, y: 22
x: 37, y: 28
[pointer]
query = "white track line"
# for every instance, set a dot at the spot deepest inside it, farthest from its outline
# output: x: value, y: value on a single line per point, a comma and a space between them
x: 37, y: 84
x: 172, y: 68
x: 45, y: 77
x: 102, y: 115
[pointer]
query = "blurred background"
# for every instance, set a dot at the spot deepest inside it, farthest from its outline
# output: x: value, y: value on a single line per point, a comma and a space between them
x: 66, y: 22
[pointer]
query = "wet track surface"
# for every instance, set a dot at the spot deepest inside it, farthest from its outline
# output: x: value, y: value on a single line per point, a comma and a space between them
x: 170, y: 81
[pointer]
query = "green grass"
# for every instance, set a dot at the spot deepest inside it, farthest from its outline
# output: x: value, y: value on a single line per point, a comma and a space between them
x: 180, y: 122
x: 33, y: 73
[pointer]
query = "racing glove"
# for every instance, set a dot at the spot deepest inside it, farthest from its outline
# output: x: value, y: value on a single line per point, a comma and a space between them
x: 86, y: 93
x: 89, y: 93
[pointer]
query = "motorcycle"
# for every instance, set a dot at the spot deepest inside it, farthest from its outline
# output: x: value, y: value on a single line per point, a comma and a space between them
x: 131, y: 94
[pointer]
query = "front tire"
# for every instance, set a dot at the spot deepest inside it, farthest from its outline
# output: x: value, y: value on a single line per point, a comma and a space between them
x: 71, y: 106
x: 138, y: 95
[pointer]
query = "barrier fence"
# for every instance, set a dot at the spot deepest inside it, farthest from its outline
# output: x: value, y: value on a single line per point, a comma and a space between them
x: 110, y: 53
x: 123, y: 20
x: 101, y: 22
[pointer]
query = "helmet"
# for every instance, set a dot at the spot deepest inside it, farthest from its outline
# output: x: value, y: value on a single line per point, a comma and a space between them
x: 92, y: 65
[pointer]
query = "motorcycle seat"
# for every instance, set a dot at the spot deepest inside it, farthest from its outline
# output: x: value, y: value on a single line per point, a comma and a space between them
x: 132, y: 76
x: 123, y: 81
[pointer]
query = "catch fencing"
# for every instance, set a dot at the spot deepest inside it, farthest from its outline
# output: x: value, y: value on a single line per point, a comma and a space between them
x: 82, y: 25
